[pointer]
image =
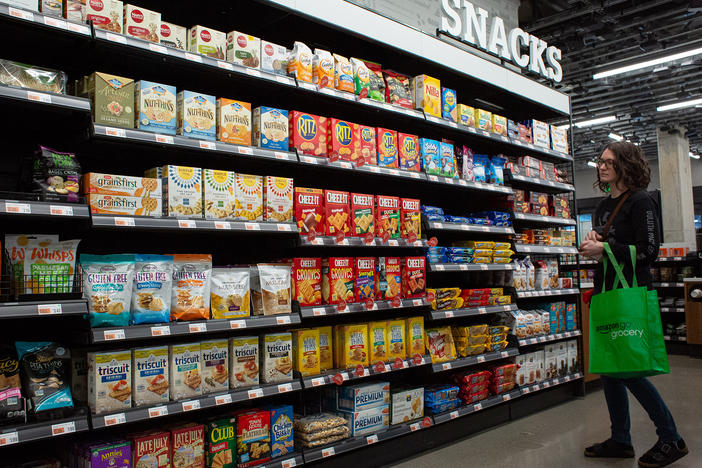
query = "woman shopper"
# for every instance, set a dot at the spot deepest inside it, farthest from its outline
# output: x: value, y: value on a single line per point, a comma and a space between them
x: 623, y: 171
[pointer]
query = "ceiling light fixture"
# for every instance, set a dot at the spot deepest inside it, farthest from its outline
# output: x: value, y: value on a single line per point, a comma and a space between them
x: 616, y: 137
x: 679, y: 105
x: 598, y: 121
x: 592, y: 163
x: 694, y: 156
x: 647, y: 63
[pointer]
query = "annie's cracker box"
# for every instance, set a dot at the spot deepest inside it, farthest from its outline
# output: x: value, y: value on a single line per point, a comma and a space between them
x: 221, y: 443
x: 141, y: 23
x: 308, y: 133
x: 188, y: 443
x: 109, y: 381
x: 112, y: 99
x: 156, y: 107
x: 215, y: 365
x: 152, y: 449
x: 253, y: 437
x: 362, y: 214
x: 243, y: 356
x: 387, y: 211
x: 270, y: 128
x: 207, y: 41
x: 172, y: 35
x: 150, y: 375
x: 309, y: 209
x: 278, y: 199
x: 336, y: 212
x: 408, y: 151
x: 197, y: 115
x: 307, y: 281
x: 337, y: 280
x: 148, y: 205
x: 105, y: 14
x: 243, y: 49
x: 249, y: 197
x: 305, y: 346
x: 387, y: 147
x: 426, y: 94
x: 185, y: 370
x: 182, y: 190
x: 218, y: 193
x: 234, y: 121
x: 388, y: 278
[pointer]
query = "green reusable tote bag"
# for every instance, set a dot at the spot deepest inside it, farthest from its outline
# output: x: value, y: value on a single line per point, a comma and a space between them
x: 626, y: 337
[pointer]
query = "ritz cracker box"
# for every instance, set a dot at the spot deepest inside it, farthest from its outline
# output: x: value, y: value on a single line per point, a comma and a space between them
x: 387, y: 147
x: 343, y: 140
x: 367, y: 144
x: 408, y: 150
x: 308, y: 133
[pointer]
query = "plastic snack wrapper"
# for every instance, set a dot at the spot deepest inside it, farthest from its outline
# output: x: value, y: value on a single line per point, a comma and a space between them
x: 151, y: 298
x: 28, y: 76
x: 107, y: 283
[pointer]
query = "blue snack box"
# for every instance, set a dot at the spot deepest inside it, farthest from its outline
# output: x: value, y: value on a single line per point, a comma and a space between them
x: 440, y: 393
x: 448, y: 160
x: 269, y: 125
x: 448, y: 104
x: 156, y: 107
x: 431, y: 157
x: 282, y: 441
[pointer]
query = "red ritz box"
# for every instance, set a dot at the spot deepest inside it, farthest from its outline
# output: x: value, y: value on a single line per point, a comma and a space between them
x: 414, y: 276
x: 362, y: 214
x: 336, y: 212
x: 308, y: 133
x: 309, y: 210
x: 343, y: 140
x: 366, y: 139
x: 152, y: 446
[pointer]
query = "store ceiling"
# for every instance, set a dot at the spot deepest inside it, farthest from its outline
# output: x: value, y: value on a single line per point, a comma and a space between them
x: 600, y: 35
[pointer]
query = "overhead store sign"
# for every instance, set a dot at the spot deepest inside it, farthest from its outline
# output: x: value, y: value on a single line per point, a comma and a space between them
x: 460, y: 19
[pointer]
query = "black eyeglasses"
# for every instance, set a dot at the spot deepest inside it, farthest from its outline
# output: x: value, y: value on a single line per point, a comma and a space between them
x: 606, y: 162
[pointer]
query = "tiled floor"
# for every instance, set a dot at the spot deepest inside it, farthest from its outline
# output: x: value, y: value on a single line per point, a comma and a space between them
x: 555, y: 438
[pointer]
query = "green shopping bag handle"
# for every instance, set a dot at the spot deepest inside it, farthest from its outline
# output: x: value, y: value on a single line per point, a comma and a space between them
x: 618, y: 268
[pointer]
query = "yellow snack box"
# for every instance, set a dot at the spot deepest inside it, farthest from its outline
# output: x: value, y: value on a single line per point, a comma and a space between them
x: 306, y: 350
x: 355, y: 345
x: 426, y: 94
x: 249, y: 197
x: 234, y: 121
x: 378, y: 336
x: 483, y: 119
x: 439, y: 342
x: 466, y: 115
x: 326, y: 358
x: 499, y: 124
x: 414, y: 336
x: 396, y: 340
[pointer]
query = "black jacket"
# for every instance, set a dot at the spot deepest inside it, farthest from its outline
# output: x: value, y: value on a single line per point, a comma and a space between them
x: 635, y: 224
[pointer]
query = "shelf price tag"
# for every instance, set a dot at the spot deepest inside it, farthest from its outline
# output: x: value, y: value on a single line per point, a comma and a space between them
x: 223, y: 399
x: 252, y: 226
x: 415, y: 427
x: 328, y: 452
x: 49, y: 309
x: 289, y: 463
x: 253, y: 72
x: 505, y: 354
x: 167, y: 139
x: 453, y: 414
x: 164, y: 330
x: 477, y: 407
x: 482, y: 310
x: 63, y: 428
x: 12, y: 207
x: 372, y: 439
x: 245, y: 149
x: 197, y: 327
x: 237, y: 324
x: 318, y: 381
x: 119, y: 221
x: 255, y: 393
x: 186, y: 224
x: 448, y: 314
x: 78, y: 28
x: 225, y: 65
x: 481, y: 359
x: 210, y: 145
x: 446, y: 366
x: 110, y: 335
x: 193, y: 57
x: 39, y: 97
x: 158, y: 411
x: 506, y: 397
x: 9, y: 438
x: 280, y: 155
x: 191, y: 405
x: 27, y: 15
x: 284, y: 388
x: 116, y: 38
x: 115, y: 419
x: 58, y: 210
x: 285, y: 320
x: 226, y: 225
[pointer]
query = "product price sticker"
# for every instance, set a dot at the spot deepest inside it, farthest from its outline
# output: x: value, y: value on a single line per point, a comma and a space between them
x: 318, y: 381
x: 245, y: 149
x: 20, y: 208
x: 9, y: 438
x: 289, y: 463
x: 60, y: 210
x: 116, y: 38
x: 237, y: 324
x: 197, y: 327
x: 191, y: 405
x: 284, y: 388
x: 115, y: 419
x: 225, y: 65
x: 371, y: 439
x: 49, y: 309
x: 55, y: 22
x: 166, y: 139
x: 223, y: 399
x: 158, y: 411
x: 111, y: 335
x: 39, y: 97
x: 328, y: 452
x: 480, y: 359
x: 63, y: 428
x: 164, y: 330
x: 193, y: 57
x: 255, y: 393
x: 158, y: 48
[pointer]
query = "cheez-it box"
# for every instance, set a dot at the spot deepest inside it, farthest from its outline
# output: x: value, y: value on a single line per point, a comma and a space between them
x: 308, y: 133
x: 336, y: 212
x: 366, y: 138
x: 410, y: 217
x: 387, y: 147
x: 307, y: 281
x: 337, y: 280
x: 362, y: 214
x: 414, y: 277
x: 309, y: 210
x: 343, y: 140
x: 388, y: 277
x: 387, y: 210
x: 365, y: 278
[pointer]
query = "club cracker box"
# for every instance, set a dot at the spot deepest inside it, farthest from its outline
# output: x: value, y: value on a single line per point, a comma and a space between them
x: 362, y: 214
x: 364, y: 278
x: 307, y: 281
x: 386, y: 143
x: 414, y: 277
x: 343, y: 140
x: 221, y: 443
x: 337, y: 280
x: 410, y: 217
x: 278, y: 199
x: 151, y: 449
x: 408, y: 151
x: 366, y: 138
x: 388, y: 278
x: 336, y: 212
x: 309, y: 210
x: 387, y: 210
x: 308, y: 133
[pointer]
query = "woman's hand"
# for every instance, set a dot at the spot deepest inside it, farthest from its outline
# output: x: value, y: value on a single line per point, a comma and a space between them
x: 591, y: 248
x: 593, y: 236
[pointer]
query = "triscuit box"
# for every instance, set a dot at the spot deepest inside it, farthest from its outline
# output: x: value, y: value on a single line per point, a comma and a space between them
x: 150, y: 375
x: 276, y: 357
x: 367, y: 421
x: 278, y: 199
x: 156, y: 107
x: 243, y: 356
x: 243, y: 49
x: 109, y: 381
x: 111, y: 184
x: 270, y: 128
x: 406, y: 405
x: 361, y: 397
x: 126, y: 206
x: 142, y: 23
x: 234, y: 121
x: 207, y: 41
x: 274, y: 58
x: 197, y: 115
x: 426, y: 92
x: 215, y: 365
x: 182, y: 189
x: 112, y: 99
x: 185, y: 370
x: 218, y: 193
x: 305, y: 347
x: 249, y: 197
x: 172, y: 35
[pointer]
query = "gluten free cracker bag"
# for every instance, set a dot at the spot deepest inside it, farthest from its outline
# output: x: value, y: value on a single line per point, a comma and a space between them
x: 107, y: 284
x: 151, y: 297
x: 229, y: 292
x: 191, y: 287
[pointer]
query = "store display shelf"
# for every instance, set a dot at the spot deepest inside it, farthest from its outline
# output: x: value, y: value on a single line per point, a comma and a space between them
x: 151, y: 331
x: 542, y: 184
x: 544, y: 249
x: 676, y: 259
x: 543, y: 385
x: 543, y: 151
x: 32, y: 208
x: 339, y: 376
x: 475, y: 407
x: 472, y: 228
x: 42, y: 308
x: 324, y: 310
x: 10, y: 435
x: 547, y: 293
x: 192, y: 404
x: 470, y: 266
x: 347, y: 445
x: 532, y: 218
x: 177, y: 141
x: 330, y: 241
x: 145, y: 222
x: 582, y: 263
x: 44, y: 20
x: 473, y: 360
x: 368, y: 168
x: 675, y: 338
x: 287, y: 461
x: 44, y: 97
x: 547, y: 338
x: 469, y: 184
x: 587, y: 285
x: 668, y: 285
x: 470, y: 312
x: 680, y: 310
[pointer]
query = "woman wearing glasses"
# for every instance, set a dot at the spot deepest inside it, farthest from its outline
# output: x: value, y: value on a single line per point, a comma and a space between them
x: 624, y: 173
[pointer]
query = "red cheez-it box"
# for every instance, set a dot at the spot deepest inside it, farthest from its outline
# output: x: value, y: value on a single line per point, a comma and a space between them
x: 336, y: 212
x: 410, y: 217
x: 152, y: 448
x: 308, y: 133
x: 414, y: 277
x: 309, y: 210
x: 343, y: 140
x: 362, y: 214
x: 307, y: 281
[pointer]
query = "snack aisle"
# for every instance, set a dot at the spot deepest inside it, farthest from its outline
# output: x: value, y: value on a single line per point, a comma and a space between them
x: 190, y: 264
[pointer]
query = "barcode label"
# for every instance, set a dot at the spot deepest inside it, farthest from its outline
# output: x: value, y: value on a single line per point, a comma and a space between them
x: 110, y: 335
x: 197, y: 327
x: 223, y: 399
x: 191, y: 405
x: 236, y: 324
x: 161, y: 331
x: 23, y: 208
x: 9, y: 438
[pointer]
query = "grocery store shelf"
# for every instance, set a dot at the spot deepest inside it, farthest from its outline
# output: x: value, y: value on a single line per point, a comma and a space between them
x: 473, y: 360
x: 582, y: 263
x: 547, y: 293
x: 586, y: 285
x: 668, y: 285
x: 469, y: 184
x: 676, y: 259
x: 321, y: 311
x: 532, y: 218
x: 545, y: 185
x: 58, y: 24
x: 475, y: 407
x: 527, y: 389
x: 32, y: 208
x: 44, y: 99
x: 288, y: 461
x: 10, y: 435
x: 470, y: 312
x: 329, y: 241
x: 157, y: 331
x: 145, y: 222
x: 471, y: 228
x: 675, y: 338
x: 548, y: 338
x: 470, y: 266
x: 339, y: 376
x: 42, y: 308
x: 543, y: 151
x: 680, y: 310
x: 177, y: 141
x: 544, y: 249
x: 192, y: 404
x: 389, y: 171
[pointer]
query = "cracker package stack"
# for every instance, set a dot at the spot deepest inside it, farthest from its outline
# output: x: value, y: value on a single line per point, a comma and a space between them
x: 320, y: 429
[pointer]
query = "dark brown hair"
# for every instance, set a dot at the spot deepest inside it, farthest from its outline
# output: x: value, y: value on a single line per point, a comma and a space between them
x: 631, y: 166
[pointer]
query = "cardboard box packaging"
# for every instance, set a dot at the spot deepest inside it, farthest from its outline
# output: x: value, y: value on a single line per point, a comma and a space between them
x: 156, y: 107
x: 305, y: 346
x: 309, y: 210
x: 105, y: 14
x: 362, y: 214
x: 336, y: 212
x: 387, y: 210
x: 367, y: 141
x: 182, y: 191
x: 426, y: 93
x: 207, y: 41
x: 326, y: 358
x: 406, y: 405
x: 218, y: 193
x: 121, y: 205
x: 274, y: 58
x: 234, y: 121
x: 249, y: 197
x: 111, y: 184
x: 308, y: 133
x: 307, y: 281
x: 188, y: 442
x: 150, y: 375
x: 388, y: 278
x: 215, y: 365
x: 243, y: 359
x: 360, y: 397
x: 448, y: 104
x: 408, y: 149
x: 172, y: 35
x: 367, y: 421
x: 483, y: 120
x: 278, y: 199
x: 282, y: 441
x: 364, y: 287
x: 253, y: 437
x: 337, y: 280
x: 387, y: 147
x: 185, y: 369
x: 152, y: 449
x: 270, y: 128
x: 243, y: 49
x: 112, y: 99
x: 109, y: 381
x: 276, y: 358
x: 466, y: 115
x: 197, y: 115
x: 141, y: 23
x: 221, y: 443
x: 343, y: 140
x: 378, y: 341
